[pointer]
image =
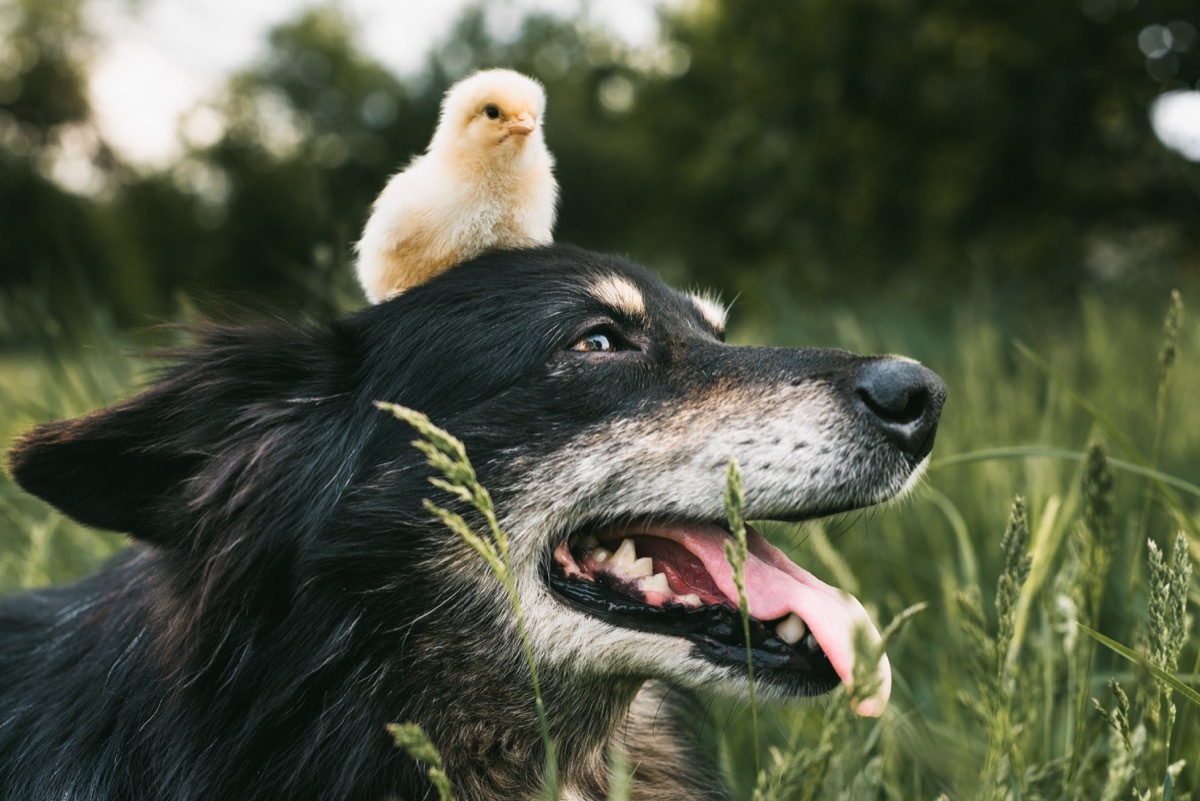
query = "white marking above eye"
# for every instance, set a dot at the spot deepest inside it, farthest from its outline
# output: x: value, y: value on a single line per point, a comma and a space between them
x: 620, y: 294
x: 711, y: 308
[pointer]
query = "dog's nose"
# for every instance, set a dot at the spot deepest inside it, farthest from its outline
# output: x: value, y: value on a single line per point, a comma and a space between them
x: 905, y: 399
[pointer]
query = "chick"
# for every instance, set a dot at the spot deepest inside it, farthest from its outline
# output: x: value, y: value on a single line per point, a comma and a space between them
x: 485, y: 182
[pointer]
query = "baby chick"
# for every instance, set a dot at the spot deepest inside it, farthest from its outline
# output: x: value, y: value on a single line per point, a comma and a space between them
x: 485, y: 182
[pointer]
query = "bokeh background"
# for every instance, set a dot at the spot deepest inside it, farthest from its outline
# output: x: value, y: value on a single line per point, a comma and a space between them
x: 1008, y: 191
x: 797, y: 152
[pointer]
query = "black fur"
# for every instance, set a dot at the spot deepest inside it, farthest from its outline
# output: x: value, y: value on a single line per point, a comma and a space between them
x: 286, y: 595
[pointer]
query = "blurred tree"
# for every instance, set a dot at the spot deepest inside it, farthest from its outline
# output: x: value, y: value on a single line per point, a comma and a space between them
x: 904, y: 147
x: 309, y: 136
x: 50, y: 152
x: 889, y: 140
x: 303, y: 141
x: 907, y: 146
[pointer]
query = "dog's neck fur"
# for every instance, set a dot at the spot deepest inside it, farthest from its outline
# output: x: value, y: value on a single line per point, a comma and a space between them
x: 488, y: 732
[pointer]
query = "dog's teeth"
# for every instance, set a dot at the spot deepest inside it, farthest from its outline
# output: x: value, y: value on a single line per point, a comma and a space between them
x: 691, y: 599
x: 642, y: 567
x: 792, y: 629
x: 601, y: 555
x: 625, y: 556
x: 810, y: 643
x: 656, y: 583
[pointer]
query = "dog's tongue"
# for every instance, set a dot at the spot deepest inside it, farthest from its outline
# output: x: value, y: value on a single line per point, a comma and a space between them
x: 776, y: 586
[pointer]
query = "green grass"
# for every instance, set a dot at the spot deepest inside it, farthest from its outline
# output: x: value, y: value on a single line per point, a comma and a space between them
x: 1018, y: 421
x: 446, y: 454
x: 999, y: 689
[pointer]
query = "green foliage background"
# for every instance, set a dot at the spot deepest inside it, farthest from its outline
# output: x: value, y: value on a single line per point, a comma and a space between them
x: 972, y: 184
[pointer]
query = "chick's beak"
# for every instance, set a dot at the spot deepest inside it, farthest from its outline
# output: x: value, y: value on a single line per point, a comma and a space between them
x: 522, y: 124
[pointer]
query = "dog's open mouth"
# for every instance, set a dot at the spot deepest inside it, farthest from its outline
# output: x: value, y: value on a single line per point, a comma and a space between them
x: 675, y: 579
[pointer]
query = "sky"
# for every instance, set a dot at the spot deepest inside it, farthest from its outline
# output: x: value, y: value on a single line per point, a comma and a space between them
x: 161, y: 58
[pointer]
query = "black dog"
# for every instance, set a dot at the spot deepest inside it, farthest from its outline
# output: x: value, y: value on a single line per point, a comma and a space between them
x: 287, y: 594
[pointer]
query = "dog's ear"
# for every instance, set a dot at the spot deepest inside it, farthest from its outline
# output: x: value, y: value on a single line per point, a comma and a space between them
x: 105, y: 469
x: 188, y: 447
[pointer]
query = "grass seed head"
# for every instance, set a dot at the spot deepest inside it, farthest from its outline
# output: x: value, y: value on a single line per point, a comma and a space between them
x: 412, y: 739
x: 1170, y: 580
x: 1172, y: 323
x: 1098, y: 494
x: 1017, y: 564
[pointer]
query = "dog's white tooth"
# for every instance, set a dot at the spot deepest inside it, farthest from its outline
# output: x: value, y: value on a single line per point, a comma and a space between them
x: 601, y: 555
x: 792, y: 629
x: 656, y: 583
x: 642, y: 567
x: 625, y: 556
x: 691, y: 599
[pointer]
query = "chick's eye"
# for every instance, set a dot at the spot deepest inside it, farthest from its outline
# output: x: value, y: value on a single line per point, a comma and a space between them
x: 492, y: 111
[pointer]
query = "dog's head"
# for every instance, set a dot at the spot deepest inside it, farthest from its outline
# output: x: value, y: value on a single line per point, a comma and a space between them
x: 599, y: 407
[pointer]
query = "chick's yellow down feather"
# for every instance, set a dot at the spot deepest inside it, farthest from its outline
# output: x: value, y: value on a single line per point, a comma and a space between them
x: 485, y: 182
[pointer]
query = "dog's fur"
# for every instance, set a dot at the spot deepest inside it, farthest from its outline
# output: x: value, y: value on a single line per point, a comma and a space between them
x: 287, y: 595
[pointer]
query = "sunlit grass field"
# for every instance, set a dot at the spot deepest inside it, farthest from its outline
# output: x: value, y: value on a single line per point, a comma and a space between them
x: 1089, y: 415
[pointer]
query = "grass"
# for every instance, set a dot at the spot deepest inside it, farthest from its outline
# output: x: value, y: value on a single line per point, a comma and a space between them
x: 447, y: 455
x: 1012, y: 426
x: 735, y: 554
x: 1000, y: 691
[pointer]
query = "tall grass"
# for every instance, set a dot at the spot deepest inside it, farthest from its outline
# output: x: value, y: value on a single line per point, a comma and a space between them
x: 447, y: 455
x: 52, y: 367
x: 1020, y: 422
x: 735, y: 554
x: 999, y: 689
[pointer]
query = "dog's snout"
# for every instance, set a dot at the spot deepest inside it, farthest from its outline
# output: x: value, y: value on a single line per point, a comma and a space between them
x: 905, y: 399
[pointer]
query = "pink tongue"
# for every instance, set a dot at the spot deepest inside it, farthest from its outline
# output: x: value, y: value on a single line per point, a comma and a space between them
x: 776, y: 587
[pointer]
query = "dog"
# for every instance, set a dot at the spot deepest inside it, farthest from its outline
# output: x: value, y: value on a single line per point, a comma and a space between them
x: 286, y: 594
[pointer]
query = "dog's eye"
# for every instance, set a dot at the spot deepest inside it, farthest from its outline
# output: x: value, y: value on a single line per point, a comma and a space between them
x: 492, y: 111
x: 595, y: 342
x: 602, y: 339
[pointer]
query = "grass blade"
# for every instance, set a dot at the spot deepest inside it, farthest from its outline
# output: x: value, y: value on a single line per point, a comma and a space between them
x: 412, y: 739
x: 1116, y: 434
x: 447, y: 454
x: 735, y: 553
x: 1189, y: 693
x: 1038, y: 452
x: 1093, y: 411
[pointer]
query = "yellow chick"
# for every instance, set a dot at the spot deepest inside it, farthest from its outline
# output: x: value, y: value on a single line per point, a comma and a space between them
x: 485, y: 182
